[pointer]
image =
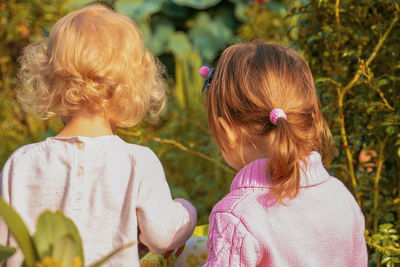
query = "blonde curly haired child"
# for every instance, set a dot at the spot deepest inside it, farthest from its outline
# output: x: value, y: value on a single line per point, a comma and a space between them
x: 95, y: 72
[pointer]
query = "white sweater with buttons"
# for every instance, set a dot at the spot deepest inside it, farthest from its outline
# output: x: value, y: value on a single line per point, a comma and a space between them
x: 108, y: 187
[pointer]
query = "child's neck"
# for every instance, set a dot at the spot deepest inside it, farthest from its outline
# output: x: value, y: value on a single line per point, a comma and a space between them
x: 88, y: 125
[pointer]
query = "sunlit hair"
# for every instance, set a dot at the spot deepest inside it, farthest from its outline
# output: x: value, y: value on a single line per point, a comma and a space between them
x: 252, y: 79
x: 93, y: 60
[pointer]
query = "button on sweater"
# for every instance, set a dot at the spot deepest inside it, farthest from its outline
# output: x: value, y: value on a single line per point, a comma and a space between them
x: 109, y: 188
x: 322, y: 226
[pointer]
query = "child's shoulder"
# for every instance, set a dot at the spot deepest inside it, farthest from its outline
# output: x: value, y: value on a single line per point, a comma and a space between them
x: 143, y: 156
x: 25, y: 152
x: 142, y: 153
x: 51, y: 145
x: 242, y: 203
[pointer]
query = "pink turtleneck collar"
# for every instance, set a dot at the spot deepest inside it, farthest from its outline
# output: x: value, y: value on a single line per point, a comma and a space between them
x: 254, y: 174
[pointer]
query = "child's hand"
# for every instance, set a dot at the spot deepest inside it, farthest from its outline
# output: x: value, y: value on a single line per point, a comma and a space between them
x: 177, y: 253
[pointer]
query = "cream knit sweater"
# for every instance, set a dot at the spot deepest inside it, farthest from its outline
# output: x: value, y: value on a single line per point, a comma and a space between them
x: 108, y: 187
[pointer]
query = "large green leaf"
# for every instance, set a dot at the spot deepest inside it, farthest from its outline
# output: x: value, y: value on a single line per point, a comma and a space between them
x: 51, y: 227
x: 211, y: 35
x: 6, y: 252
x: 138, y: 9
x: 65, y: 250
x: 76, y: 4
x: 111, y: 254
x: 20, y: 233
x: 240, y: 9
x: 173, y: 10
x: 179, y: 45
x: 199, y: 4
x: 158, y: 42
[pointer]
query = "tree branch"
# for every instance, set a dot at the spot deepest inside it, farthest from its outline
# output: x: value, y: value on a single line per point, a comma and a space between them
x: 179, y: 146
x: 371, y: 57
x: 381, y: 160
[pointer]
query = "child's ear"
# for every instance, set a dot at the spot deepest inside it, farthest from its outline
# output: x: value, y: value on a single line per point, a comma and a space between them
x: 230, y: 132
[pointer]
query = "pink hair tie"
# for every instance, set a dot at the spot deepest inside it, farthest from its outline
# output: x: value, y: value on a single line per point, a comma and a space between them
x: 203, y: 71
x: 275, y: 114
x: 206, y: 73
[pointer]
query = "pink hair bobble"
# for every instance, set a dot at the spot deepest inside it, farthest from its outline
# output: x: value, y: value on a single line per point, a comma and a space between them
x: 275, y: 114
x: 203, y: 71
x: 207, y: 74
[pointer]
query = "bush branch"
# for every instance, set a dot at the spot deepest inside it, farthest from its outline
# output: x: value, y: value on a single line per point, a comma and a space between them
x: 381, y: 160
x: 371, y: 57
x: 179, y: 146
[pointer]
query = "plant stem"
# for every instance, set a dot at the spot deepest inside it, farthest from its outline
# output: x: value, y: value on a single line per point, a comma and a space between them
x: 381, y: 159
x: 337, y: 18
x: 340, y: 104
x: 345, y: 142
x: 345, y: 90
x: 181, y: 147
x: 371, y: 57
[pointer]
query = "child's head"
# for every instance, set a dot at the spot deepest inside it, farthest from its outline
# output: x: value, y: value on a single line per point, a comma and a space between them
x: 93, y: 61
x: 250, y: 81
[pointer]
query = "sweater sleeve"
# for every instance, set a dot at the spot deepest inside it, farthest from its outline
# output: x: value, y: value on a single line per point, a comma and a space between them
x: 230, y: 243
x: 164, y: 223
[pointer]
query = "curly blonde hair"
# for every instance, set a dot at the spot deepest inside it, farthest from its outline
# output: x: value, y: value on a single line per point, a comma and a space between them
x: 94, y: 60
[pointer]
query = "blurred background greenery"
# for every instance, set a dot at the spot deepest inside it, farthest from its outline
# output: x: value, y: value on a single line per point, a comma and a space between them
x: 351, y: 46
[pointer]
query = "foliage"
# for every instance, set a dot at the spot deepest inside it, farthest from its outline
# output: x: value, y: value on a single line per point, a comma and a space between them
x: 56, y: 243
x: 352, y: 50
x: 351, y: 47
x: 20, y: 22
x: 386, y: 242
x: 270, y: 21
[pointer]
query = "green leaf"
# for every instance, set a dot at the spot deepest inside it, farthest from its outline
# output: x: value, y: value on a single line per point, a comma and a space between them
x: 6, y: 252
x: 240, y: 9
x: 199, y: 4
x: 385, y: 260
x: 395, y: 260
x: 158, y: 42
x: 20, y: 232
x: 111, y: 254
x: 65, y: 250
x: 385, y: 226
x: 179, y: 45
x: 172, y: 10
x: 76, y: 4
x: 211, y: 35
x: 390, y: 130
x: 51, y: 227
x: 139, y: 9
x: 383, y: 82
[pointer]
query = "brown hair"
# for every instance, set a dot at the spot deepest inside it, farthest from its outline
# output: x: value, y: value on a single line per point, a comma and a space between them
x: 93, y: 60
x: 252, y: 79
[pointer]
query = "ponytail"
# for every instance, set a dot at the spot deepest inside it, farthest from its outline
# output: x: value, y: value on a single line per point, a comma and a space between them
x: 253, y: 79
x: 288, y: 155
